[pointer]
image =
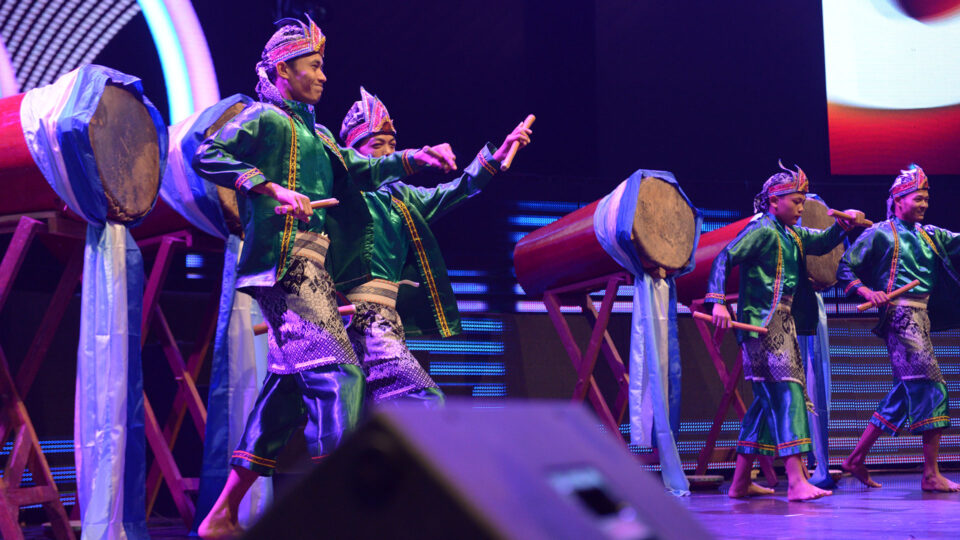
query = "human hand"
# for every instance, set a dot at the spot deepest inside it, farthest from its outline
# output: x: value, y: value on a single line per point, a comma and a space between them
x: 721, y: 316
x: 440, y: 156
x: 877, y: 298
x: 299, y: 203
x: 850, y: 218
x: 520, y: 135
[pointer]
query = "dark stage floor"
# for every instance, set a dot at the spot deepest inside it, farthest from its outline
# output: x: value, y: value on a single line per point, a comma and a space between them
x: 897, y: 510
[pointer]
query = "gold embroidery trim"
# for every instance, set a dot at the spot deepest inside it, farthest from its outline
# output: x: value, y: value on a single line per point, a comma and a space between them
x: 428, y: 273
x: 292, y: 186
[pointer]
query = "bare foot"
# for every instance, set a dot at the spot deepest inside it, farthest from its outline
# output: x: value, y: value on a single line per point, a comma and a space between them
x: 752, y: 490
x: 860, y: 472
x: 805, y: 491
x: 219, y: 526
x: 939, y: 483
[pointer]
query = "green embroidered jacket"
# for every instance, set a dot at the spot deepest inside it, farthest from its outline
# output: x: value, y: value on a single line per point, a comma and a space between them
x: 430, y: 308
x: 759, y: 250
x: 881, y: 254
x: 286, y: 146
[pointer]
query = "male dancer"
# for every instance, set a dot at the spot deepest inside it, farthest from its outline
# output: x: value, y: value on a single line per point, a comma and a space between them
x: 273, y: 154
x: 400, y: 246
x: 885, y: 257
x: 774, y: 292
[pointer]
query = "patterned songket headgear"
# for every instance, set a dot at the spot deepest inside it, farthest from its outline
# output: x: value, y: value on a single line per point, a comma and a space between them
x: 366, y: 117
x: 781, y: 183
x: 910, y: 180
x: 294, y: 39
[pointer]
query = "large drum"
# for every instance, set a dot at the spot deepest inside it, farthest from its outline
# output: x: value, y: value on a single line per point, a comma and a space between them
x: 567, y: 251
x: 90, y: 140
x: 185, y: 198
x: 821, y: 269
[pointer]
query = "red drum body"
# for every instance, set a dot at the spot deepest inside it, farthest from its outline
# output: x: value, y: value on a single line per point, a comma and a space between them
x: 119, y: 150
x: 567, y: 251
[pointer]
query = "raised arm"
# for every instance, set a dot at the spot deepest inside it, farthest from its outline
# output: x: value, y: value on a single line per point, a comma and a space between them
x: 435, y: 202
x: 369, y: 173
x: 948, y: 239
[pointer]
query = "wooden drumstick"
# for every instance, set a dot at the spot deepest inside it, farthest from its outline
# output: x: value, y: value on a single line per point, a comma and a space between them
x: 285, y: 209
x: 735, y: 324
x: 349, y: 309
x: 844, y: 215
x: 507, y: 161
x: 891, y: 295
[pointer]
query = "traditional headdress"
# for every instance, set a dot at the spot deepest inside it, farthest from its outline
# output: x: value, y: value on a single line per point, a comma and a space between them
x: 366, y: 117
x: 294, y: 38
x: 781, y: 183
x: 910, y: 180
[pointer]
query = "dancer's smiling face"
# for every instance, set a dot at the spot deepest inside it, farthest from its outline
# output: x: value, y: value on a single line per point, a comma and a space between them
x: 912, y: 206
x: 302, y: 79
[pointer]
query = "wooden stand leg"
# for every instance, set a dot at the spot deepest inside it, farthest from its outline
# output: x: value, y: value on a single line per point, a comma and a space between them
x: 187, y: 396
x: 584, y: 362
x: 14, y: 420
x: 50, y: 322
x: 731, y: 395
x: 26, y: 454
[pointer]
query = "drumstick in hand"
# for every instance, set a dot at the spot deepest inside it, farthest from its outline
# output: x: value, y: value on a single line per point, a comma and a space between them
x: 893, y: 294
x: 284, y: 209
x: 844, y: 215
x: 735, y: 324
x: 507, y: 161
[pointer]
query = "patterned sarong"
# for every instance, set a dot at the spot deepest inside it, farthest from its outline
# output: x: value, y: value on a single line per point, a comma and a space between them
x: 906, y: 329
x: 775, y: 356
x: 305, y: 328
x: 392, y: 371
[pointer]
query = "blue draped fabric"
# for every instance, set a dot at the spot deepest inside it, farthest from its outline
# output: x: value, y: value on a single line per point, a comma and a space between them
x: 237, y: 372
x: 108, y: 428
x: 815, y: 351
x: 654, y: 349
x: 182, y: 189
x: 109, y: 422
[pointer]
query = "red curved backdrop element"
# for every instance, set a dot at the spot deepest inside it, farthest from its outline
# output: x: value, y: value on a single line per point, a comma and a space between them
x: 929, y: 10
x: 882, y: 141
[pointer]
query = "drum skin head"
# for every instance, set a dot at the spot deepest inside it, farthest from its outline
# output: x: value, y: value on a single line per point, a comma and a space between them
x: 821, y: 269
x: 126, y: 149
x: 664, y: 225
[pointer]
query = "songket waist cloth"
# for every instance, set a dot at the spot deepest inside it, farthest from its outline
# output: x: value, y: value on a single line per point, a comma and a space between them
x: 305, y: 330
x: 906, y: 330
x: 775, y: 356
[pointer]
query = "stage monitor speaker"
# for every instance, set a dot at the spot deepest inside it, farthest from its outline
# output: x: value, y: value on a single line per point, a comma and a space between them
x: 527, y: 470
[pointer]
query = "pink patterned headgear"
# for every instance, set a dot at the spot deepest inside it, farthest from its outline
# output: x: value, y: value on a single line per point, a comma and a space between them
x: 366, y: 117
x: 293, y: 39
x: 910, y: 180
x: 781, y: 183
x: 311, y: 41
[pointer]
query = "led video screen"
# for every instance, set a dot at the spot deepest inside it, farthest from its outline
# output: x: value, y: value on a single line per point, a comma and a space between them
x: 893, y: 85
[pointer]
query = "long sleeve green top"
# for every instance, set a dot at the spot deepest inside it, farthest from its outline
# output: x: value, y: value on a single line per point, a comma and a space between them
x: 285, y: 146
x: 892, y: 253
x: 772, y: 259
x: 397, y: 244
